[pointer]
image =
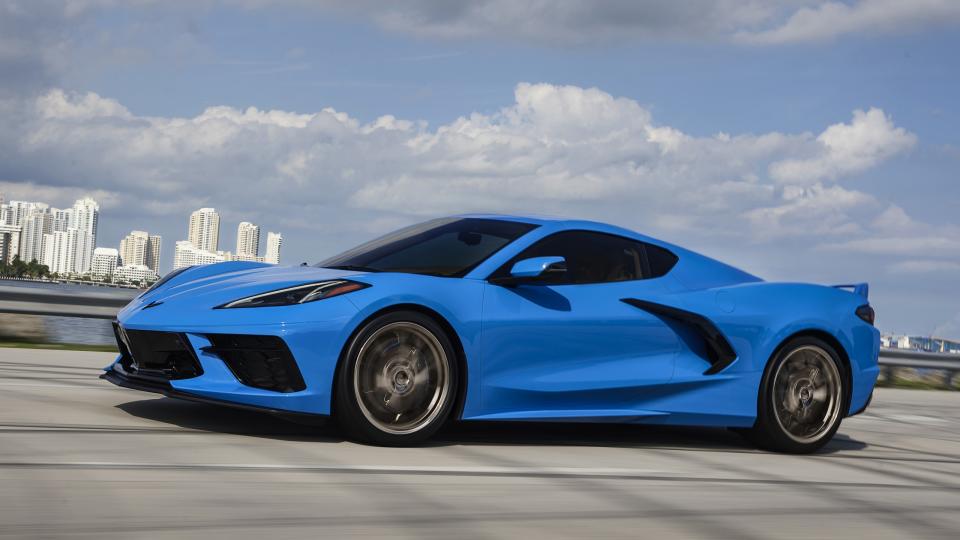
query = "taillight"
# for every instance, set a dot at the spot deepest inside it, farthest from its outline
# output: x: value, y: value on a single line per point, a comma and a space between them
x: 866, y: 313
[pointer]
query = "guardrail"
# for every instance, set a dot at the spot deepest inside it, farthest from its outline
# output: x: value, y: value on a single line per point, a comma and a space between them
x: 949, y: 363
x: 100, y: 303
x: 97, y: 303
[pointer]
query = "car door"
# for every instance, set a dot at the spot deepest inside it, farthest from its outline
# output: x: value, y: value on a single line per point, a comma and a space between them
x: 571, y: 348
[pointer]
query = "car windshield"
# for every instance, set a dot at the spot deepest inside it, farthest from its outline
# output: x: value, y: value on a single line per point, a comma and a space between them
x: 449, y: 247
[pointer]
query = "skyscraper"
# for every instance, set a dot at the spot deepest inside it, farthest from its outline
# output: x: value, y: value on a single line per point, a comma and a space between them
x: 17, y: 211
x: 142, y: 249
x: 204, y: 231
x: 248, y: 240
x: 63, y: 250
x: 274, y: 241
x: 133, y: 248
x: 35, y: 226
x: 153, y: 253
x: 83, y: 219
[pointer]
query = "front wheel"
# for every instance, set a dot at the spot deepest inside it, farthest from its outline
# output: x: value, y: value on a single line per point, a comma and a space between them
x: 802, y: 397
x: 398, y: 380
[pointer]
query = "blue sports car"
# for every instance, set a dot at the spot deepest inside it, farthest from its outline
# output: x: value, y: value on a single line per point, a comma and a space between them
x: 485, y: 317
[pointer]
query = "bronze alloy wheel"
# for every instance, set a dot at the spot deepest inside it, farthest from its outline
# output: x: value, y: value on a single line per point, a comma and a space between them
x: 398, y: 381
x: 806, y: 394
x: 401, y: 379
x: 803, y: 396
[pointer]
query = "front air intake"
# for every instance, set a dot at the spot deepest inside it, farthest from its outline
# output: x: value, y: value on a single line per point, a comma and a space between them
x: 156, y: 355
x: 258, y: 361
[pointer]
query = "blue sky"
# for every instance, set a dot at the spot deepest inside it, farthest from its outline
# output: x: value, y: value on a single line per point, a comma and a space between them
x: 708, y: 125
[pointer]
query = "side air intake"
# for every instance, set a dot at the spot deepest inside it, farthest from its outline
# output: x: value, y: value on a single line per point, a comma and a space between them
x: 720, y: 353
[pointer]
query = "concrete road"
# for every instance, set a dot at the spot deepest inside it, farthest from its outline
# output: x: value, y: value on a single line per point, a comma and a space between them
x: 80, y: 457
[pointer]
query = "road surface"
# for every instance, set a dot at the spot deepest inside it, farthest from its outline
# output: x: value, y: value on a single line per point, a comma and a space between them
x: 82, y: 458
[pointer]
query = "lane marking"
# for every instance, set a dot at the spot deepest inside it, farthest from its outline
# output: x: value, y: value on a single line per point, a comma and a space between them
x: 413, y: 470
x: 90, y: 386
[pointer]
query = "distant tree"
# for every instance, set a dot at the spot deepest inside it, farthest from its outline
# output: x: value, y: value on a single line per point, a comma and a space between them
x: 19, y: 267
x: 36, y: 270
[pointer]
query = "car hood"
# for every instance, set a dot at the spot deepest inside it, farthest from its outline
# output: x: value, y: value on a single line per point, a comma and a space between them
x: 199, y: 288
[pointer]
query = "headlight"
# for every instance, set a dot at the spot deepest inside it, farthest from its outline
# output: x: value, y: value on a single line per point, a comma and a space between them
x: 301, y: 294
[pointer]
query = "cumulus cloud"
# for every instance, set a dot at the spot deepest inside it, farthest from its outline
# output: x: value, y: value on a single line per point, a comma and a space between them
x: 327, y: 179
x: 560, y: 149
x: 843, y: 149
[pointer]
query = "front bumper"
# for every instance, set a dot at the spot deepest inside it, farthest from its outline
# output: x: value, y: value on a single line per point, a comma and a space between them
x: 117, y: 375
x: 314, y: 347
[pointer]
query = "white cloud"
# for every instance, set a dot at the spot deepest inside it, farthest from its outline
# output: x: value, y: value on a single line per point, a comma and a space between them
x: 559, y: 149
x: 847, y: 148
x: 827, y: 20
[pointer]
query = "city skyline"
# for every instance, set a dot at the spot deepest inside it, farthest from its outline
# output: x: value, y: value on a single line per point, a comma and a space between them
x: 202, y: 243
x: 65, y: 240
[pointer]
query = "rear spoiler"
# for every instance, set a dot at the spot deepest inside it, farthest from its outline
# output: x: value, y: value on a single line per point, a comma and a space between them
x: 862, y: 289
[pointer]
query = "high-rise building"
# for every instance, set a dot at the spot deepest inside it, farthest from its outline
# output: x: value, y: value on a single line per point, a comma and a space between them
x: 104, y: 261
x: 133, y: 248
x: 141, y: 248
x: 9, y: 242
x: 62, y: 251
x: 153, y: 253
x: 204, y: 231
x: 186, y: 254
x: 84, y: 217
x: 17, y: 211
x: 248, y: 240
x: 48, y: 250
x: 274, y: 241
x: 61, y: 218
x: 34, y: 228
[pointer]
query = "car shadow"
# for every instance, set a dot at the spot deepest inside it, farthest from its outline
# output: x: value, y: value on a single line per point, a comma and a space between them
x: 204, y: 417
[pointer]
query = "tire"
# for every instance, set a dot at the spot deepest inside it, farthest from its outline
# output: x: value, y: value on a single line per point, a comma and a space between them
x: 802, y: 398
x: 397, y: 381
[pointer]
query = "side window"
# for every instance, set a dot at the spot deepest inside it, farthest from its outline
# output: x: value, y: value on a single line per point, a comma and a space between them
x: 596, y: 257
x: 661, y: 261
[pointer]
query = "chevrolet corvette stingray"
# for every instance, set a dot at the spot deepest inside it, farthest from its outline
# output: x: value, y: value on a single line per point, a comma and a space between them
x: 506, y: 318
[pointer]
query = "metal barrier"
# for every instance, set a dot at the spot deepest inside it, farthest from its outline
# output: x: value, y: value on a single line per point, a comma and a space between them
x: 949, y: 363
x: 97, y: 303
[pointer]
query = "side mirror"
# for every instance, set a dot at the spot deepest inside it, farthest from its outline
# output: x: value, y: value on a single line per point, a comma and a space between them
x: 534, y: 270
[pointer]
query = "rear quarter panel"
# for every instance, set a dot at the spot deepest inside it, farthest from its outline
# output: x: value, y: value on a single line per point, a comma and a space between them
x: 759, y: 317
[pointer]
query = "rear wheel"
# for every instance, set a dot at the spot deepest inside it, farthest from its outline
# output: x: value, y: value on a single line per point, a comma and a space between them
x: 801, y: 399
x: 398, y: 381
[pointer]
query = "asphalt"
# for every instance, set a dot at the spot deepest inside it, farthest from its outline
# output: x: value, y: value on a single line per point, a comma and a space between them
x: 82, y: 458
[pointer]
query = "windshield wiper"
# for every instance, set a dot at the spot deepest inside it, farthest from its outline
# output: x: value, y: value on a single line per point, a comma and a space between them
x: 353, y: 268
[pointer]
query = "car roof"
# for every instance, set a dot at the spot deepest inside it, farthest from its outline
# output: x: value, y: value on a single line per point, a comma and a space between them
x: 560, y: 223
